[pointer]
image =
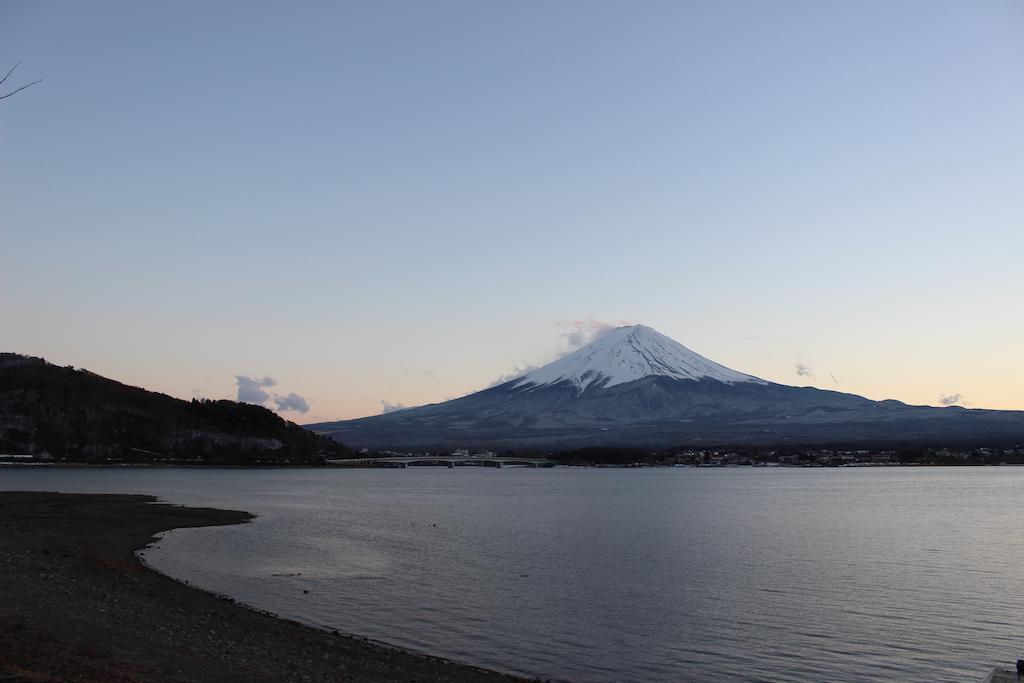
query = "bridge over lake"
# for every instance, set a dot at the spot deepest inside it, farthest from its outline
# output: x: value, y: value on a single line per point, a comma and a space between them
x: 444, y: 461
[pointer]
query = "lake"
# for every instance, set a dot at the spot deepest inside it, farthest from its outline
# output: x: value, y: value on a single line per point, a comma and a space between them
x: 661, y: 574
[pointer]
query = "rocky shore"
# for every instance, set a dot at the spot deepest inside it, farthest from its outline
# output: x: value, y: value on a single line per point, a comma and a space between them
x: 77, y: 605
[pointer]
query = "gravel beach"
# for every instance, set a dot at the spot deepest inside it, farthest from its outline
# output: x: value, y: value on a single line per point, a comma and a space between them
x: 77, y: 605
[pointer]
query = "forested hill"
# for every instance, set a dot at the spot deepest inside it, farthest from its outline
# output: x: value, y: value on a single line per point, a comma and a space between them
x: 73, y: 415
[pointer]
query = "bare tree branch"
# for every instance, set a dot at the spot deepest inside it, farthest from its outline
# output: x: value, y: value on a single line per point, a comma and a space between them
x: 20, y: 89
x: 9, y: 73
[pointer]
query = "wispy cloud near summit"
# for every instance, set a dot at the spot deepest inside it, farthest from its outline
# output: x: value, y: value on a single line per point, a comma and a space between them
x: 575, y: 334
x: 582, y: 332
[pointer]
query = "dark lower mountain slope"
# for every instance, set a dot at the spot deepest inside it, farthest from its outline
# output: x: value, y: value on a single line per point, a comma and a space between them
x: 75, y: 415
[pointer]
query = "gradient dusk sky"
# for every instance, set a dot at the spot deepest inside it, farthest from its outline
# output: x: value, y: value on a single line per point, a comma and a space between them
x: 377, y: 203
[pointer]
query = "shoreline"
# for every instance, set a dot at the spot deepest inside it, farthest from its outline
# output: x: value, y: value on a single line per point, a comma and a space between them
x: 596, y: 466
x: 77, y: 603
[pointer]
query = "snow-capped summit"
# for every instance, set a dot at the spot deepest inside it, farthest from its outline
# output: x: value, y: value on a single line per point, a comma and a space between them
x: 626, y: 354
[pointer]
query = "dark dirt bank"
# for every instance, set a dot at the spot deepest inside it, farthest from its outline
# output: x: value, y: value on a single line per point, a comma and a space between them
x: 76, y: 605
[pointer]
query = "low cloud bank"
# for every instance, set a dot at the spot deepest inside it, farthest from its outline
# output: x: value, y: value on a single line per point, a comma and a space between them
x: 804, y: 370
x: 252, y: 390
x: 291, y: 402
x: 513, y: 374
x: 951, y: 399
x: 387, y: 407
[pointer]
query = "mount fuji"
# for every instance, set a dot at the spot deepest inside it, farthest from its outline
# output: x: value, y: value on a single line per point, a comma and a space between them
x: 636, y: 387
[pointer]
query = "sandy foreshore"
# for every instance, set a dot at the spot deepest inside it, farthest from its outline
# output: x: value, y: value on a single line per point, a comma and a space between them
x: 77, y: 605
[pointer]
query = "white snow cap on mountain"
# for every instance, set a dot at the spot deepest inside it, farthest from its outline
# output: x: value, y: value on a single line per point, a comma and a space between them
x: 626, y: 354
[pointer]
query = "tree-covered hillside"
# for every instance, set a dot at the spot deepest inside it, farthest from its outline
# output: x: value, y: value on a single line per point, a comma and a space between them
x: 73, y: 415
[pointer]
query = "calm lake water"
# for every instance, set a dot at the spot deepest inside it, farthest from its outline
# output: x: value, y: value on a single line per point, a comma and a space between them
x: 881, y: 574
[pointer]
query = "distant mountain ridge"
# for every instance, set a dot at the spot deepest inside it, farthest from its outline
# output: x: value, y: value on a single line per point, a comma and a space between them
x: 75, y: 415
x: 636, y: 387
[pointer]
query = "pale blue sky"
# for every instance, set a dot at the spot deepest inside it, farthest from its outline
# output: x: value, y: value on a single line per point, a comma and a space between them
x: 399, y: 202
